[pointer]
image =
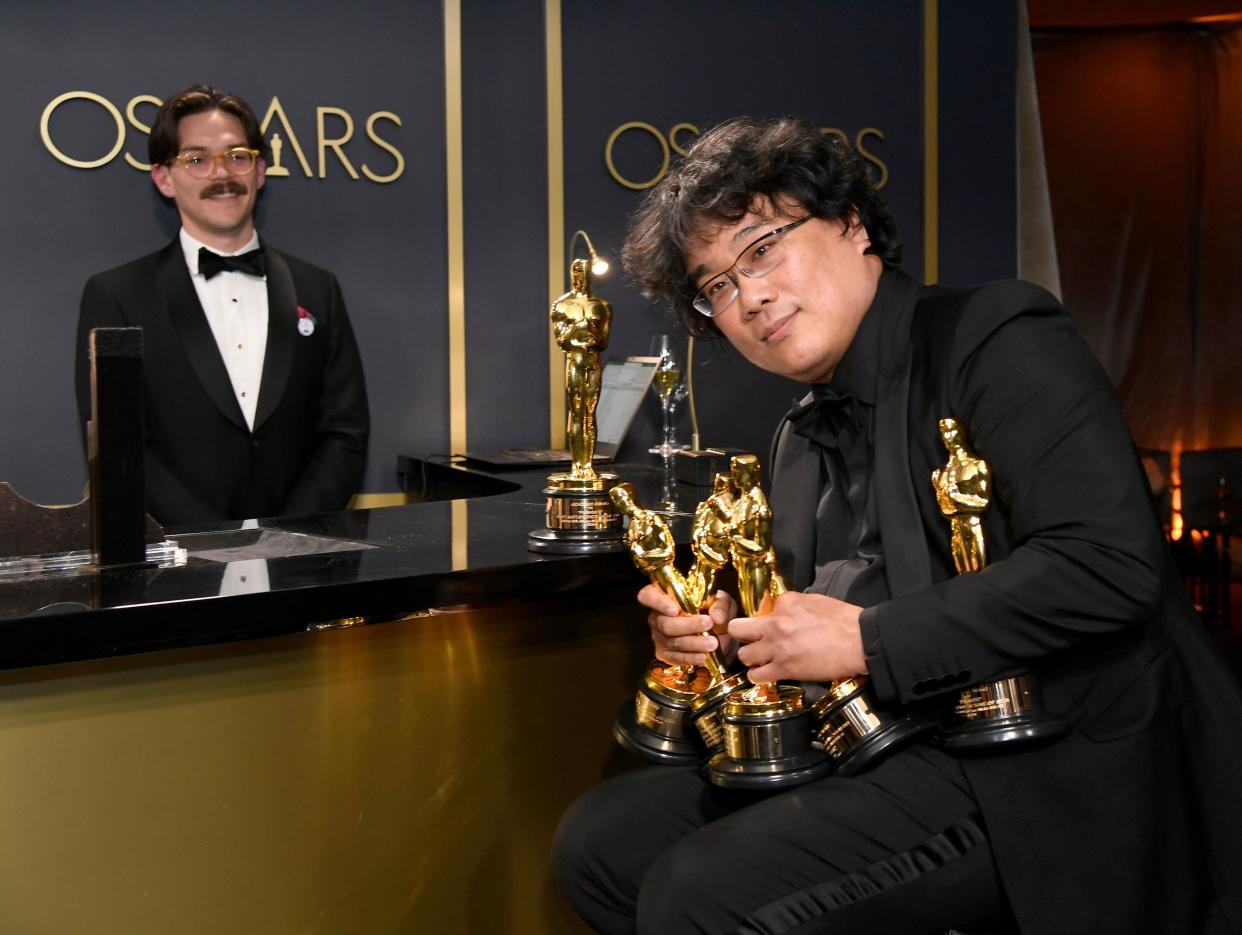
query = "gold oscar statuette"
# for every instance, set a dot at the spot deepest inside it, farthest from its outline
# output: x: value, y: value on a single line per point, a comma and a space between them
x: 671, y: 697
x: 579, y: 515
x: 848, y: 729
x: 1002, y: 711
x: 766, y: 728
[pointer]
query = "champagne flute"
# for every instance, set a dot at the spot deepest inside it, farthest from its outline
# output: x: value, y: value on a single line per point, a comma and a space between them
x: 670, y: 390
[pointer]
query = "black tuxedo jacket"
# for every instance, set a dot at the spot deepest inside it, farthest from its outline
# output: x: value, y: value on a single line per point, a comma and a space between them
x: 203, y: 464
x: 1132, y: 822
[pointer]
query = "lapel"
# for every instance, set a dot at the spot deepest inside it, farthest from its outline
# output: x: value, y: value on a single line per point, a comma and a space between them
x: 282, y: 332
x: 795, y: 496
x: 190, y: 324
x: 906, y: 559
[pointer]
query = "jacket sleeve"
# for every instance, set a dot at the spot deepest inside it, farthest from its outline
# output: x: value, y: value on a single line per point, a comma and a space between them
x: 333, y: 472
x: 1087, y: 554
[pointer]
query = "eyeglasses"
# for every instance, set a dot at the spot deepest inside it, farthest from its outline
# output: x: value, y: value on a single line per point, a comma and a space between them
x: 755, y: 262
x: 237, y: 161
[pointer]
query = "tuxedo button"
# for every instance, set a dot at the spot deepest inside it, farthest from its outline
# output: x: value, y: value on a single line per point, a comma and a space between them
x: 922, y: 686
x: 254, y: 443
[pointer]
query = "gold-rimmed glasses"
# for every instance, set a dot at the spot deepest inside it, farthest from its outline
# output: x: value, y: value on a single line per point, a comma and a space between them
x: 239, y: 160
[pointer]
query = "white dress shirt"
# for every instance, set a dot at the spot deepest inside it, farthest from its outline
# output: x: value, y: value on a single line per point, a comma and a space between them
x: 236, y: 308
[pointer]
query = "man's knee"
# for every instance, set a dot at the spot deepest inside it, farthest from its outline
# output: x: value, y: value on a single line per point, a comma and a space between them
x: 680, y: 892
x: 577, y: 841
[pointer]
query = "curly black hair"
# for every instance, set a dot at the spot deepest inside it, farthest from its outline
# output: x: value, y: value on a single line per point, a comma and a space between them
x: 717, y: 183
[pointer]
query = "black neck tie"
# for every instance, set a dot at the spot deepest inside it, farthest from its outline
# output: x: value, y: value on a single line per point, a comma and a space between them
x: 252, y: 263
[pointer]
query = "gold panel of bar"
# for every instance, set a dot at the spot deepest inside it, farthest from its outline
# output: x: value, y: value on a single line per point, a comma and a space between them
x: 395, y: 777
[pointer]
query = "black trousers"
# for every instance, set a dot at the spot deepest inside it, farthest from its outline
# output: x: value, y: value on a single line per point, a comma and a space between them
x: 899, y: 850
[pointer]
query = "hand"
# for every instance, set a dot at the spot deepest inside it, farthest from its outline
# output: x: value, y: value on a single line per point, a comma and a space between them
x: 806, y: 636
x: 684, y: 640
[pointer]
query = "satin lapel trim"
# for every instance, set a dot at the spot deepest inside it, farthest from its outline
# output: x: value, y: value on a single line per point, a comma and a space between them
x: 795, y: 496
x: 190, y: 323
x: 282, y: 331
x: 906, y: 559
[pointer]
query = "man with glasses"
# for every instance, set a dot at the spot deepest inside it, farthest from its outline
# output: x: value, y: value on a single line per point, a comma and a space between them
x: 254, y: 393
x: 770, y: 234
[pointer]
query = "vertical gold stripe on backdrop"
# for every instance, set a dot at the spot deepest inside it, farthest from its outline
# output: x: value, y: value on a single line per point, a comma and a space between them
x: 456, y: 260
x: 931, y: 142
x: 556, y: 215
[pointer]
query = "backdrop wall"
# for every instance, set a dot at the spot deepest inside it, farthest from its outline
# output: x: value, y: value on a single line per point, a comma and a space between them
x: 439, y: 157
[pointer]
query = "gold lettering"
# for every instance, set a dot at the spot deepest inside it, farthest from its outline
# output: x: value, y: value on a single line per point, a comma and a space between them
x: 274, y: 109
x: 870, y: 156
x: 103, y: 102
x: 137, y: 124
x: 384, y: 144
x: 678, y: 128
x: 612, y: 169
x: 334, y: 144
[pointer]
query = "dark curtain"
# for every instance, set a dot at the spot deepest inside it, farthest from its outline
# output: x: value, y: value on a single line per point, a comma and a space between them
x: 1143, y: 142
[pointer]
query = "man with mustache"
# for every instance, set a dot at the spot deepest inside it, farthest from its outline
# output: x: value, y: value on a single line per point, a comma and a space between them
x: 255, y: 402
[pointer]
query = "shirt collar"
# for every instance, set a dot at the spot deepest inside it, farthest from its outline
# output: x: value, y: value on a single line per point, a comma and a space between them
x: 857, y: 374
x: 190, y: 248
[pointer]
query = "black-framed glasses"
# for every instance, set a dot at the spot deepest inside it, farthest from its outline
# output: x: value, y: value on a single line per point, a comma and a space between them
x: 754, y: 262
x: 240, y: 160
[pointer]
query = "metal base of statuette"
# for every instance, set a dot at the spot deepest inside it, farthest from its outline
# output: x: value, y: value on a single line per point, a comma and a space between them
x: 992, y: 714
x: 580, y: 517
x: 707, y: 711
x: 767, y: 741
x: 853, y: 734
x: 656, y: 724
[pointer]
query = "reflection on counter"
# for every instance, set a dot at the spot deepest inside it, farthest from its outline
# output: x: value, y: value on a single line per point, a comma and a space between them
x: 381, y: 565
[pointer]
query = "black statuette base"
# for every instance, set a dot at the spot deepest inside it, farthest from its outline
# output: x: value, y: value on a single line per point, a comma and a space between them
x: 659, y: 748
x: 783, y: 773
x: 989, y: 736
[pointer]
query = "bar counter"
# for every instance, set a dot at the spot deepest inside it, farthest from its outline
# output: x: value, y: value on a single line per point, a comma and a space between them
x: 373, y: 730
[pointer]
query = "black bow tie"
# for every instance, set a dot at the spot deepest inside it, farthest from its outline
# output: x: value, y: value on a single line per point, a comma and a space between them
x: 826, y: 416
x: 210, y: 263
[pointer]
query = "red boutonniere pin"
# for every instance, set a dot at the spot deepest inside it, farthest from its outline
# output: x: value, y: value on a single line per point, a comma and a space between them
x: 306, y: 322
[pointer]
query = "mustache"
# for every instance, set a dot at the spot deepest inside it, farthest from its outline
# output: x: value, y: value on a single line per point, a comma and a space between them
x: 223, y: 187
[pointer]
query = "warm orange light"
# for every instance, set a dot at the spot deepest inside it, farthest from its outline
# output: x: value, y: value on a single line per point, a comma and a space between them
x: 1218, y: 18
x: 1175, y: 482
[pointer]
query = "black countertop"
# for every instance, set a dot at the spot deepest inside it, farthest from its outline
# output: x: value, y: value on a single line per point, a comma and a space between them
x: 304, y: 573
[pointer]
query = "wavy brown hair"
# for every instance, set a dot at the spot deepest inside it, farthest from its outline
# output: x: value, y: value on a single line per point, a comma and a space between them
x: 719, y: 180
x: 162, y: 144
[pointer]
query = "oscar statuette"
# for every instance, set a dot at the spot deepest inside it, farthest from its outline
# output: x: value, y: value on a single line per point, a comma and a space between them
x: 711, y: 540
x: 656, y: 725
x: 766, y: 728
x: 579, y: 515
x: 846, y: 725
x: 1001, y: 711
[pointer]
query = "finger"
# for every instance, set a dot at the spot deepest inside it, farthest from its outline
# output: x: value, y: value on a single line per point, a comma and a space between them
x: 653, y: 598
x: 754, y: 654
x: 765, y: 673
x: 680, y: 659
x: 722, y: 611
x: 682, y: 626
x: 745, y: 629
x: 692, y: 643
